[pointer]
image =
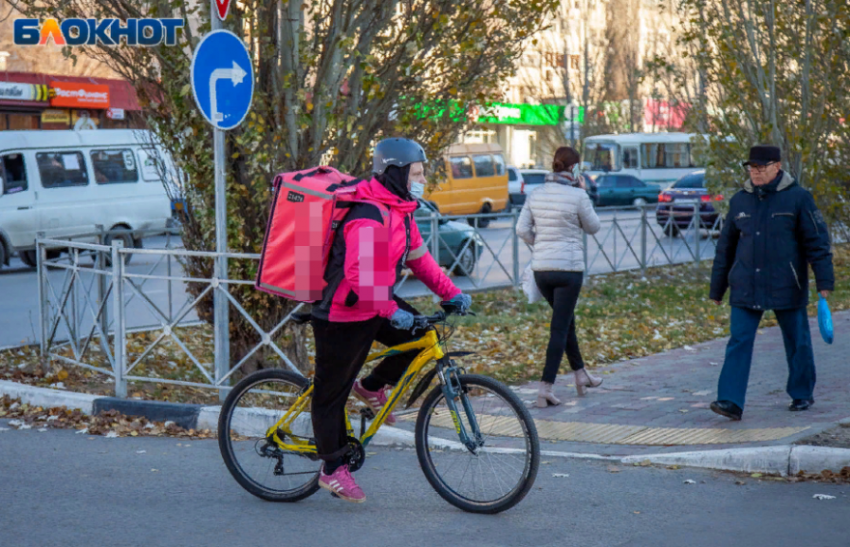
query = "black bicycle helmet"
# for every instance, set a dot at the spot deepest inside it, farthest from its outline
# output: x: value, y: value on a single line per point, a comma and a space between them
x: 398, y: 152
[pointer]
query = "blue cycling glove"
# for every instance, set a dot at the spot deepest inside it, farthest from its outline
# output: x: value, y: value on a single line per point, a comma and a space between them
x: 402, y: 320
x: 462, y: 301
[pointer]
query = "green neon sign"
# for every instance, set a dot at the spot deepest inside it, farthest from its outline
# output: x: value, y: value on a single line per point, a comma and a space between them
x: 502, y: 113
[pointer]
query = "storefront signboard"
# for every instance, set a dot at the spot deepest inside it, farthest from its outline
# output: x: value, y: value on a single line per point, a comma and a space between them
x: 79, y: 95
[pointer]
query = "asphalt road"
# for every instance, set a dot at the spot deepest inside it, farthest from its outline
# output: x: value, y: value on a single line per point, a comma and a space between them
x: 63, y: 489
x: 617, y: 246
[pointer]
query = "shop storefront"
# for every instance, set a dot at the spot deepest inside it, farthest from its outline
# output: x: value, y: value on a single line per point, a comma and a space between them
x: 517, y: 129
x: 43, y: 101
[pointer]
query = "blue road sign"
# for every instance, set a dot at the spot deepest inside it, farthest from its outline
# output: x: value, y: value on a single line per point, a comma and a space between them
x: 222, y: 79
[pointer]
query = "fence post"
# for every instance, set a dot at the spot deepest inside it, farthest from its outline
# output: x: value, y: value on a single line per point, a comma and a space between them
x: 515, y: 249
x: 120, y: 344
x: 435, y: 244
x: 643, y: 227
x: 73, y: 258
x: 43, y: 306
x: 615, y: 228
x: 698, y: 219
x: 168, y: 272
x: 100, y: 265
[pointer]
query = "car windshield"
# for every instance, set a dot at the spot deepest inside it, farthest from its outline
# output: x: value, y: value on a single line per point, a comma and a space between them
x: 533, y: 178
x: 601, y: 156
x: 694, y: 180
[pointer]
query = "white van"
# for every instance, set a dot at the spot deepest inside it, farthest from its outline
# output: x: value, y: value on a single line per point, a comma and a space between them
x: 655, y: 158
x: 63, y: 183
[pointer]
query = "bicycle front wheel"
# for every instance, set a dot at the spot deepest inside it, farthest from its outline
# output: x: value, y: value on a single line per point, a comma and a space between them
x: 262, y: 468
x: 500, y: 469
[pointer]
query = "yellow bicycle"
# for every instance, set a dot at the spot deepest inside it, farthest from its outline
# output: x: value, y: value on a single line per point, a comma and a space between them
x: 475, y: 440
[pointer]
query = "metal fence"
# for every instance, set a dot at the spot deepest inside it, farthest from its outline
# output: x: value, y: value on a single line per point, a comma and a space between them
x: 634, y: 238
x: 97, y: 293
x: 89, y: 296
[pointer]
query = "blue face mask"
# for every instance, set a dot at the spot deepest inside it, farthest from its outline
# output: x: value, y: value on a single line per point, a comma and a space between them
x: 417, y: 189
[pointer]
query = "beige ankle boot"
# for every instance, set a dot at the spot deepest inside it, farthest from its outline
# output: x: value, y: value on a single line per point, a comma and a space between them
x: 545, y: 397
x: 585, y: 380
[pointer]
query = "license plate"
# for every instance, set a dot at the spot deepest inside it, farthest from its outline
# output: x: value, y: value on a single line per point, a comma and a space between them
x: 686, y: 201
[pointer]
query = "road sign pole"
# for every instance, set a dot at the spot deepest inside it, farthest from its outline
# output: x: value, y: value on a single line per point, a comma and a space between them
x: 221, y: 316
x: 221, y: 55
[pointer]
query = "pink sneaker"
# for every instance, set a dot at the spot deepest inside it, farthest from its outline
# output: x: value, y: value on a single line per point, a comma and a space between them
x: 375, y: 399
x: 341, y: 483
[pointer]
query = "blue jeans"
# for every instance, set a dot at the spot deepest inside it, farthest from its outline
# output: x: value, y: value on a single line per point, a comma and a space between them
x: 794, y: 324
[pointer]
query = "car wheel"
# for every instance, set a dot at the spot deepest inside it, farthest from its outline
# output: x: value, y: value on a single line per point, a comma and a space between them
x: 671, y: 230
x: 29, y: 258
x: 466, y: 261
x: 482, y: 222
x: 639, y: 202
x: 126, y: 238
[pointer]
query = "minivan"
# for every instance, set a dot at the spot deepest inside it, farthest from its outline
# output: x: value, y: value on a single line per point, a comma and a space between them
x: 476, y: 182
x: 63, y: 183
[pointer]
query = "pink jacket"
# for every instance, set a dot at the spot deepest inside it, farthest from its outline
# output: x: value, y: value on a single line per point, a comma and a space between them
x: 373, y: 250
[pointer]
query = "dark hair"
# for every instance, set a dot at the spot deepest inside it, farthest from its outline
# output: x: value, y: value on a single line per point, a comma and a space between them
x: 565, y: 158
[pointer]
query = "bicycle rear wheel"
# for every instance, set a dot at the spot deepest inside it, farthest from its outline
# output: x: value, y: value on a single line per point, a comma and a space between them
x: 262, y: 468
x: 497, y: 474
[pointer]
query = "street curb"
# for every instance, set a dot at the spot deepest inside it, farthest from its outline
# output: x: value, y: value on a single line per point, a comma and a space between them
x: 47, y: 397
x: 772, y: 460
x: 184, y: 415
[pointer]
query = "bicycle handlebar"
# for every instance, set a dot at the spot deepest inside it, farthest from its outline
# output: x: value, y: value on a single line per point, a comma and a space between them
x: 422, y: 321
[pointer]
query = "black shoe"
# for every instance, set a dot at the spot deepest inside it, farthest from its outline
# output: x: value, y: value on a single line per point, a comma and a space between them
x: 728, y: 409
x: 801, y: 404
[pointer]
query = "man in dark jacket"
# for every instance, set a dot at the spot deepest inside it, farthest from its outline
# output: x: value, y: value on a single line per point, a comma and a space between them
x: 772, y: 232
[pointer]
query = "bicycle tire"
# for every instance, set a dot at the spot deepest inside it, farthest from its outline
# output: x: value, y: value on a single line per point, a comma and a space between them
x: 226, y: 447
x: 530, y: 435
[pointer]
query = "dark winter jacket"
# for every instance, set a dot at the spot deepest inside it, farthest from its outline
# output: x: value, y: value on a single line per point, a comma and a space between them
x: 770, y: 236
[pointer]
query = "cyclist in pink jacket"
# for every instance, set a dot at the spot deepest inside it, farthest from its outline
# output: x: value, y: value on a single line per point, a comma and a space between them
x: 375, y: 240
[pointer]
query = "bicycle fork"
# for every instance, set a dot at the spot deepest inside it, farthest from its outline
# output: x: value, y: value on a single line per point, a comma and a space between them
x: 453, y: 391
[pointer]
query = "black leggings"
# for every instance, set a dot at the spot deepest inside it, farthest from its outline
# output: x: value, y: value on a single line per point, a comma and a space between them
x: 341, y: 350
x: 561, y: 290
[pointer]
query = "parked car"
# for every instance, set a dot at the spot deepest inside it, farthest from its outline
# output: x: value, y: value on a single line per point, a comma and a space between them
x: 453, y: 238
x: 515, y: 182
x: 679, y: 200
x: 529, y: 179
x: 476, y: 182
x: 63, y: 183
x: 610, y: 190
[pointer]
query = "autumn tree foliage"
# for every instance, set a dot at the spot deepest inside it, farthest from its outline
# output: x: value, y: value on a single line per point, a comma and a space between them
x: 331, y: 77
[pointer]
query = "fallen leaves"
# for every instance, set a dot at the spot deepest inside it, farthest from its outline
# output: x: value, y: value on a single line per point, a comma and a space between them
x: 842, y: 477
x: 110, y: 424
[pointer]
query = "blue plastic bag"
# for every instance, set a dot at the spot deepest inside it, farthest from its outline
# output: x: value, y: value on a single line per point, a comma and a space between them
x: 825, y: 320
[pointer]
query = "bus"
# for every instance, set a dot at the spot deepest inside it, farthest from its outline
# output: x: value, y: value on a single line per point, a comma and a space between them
x: 655, y: 158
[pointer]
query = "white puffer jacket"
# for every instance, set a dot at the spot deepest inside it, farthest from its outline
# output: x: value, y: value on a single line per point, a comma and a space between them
x: 552, y: 221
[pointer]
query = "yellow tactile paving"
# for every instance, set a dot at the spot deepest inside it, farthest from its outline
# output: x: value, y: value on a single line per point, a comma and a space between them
x: 619, y: 434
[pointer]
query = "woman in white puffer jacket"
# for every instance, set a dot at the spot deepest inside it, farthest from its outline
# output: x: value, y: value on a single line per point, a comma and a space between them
x: 552, y: 222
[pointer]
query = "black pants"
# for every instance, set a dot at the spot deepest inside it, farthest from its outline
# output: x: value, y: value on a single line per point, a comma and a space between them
x: 561, y: 290
x: 341, y: 350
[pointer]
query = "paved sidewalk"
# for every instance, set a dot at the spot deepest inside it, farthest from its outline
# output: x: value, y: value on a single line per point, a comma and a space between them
x: 662, y: 401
